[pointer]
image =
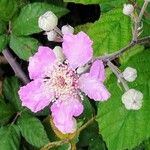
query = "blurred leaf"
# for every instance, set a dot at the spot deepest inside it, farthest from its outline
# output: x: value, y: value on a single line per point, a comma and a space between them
x: 7, y: 9
x: 111, y: 32
x: 24, y: 47
x: 9, y: 138
x: 3, y: 41
x: 122, y: 128
x: 27, y: 21
x: 32, y: 130
x: 6, y: 112
x: 3, y: 27
x: 11, y: 86
x: 83, y: 27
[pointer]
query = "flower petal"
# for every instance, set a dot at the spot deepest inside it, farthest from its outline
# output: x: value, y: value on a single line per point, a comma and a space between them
x: 93, y: 88
x: 97, y: 70
x: 34, y: 97
x: 40, y: 61
x: 77, y: 49
x: 63, y: 112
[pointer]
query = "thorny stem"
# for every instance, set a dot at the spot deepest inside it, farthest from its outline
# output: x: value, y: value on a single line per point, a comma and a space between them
x: 138, y: 20
x: 54, y: 144
x: 118, y: 75
x: 15, y: 66
x: 116, y: 54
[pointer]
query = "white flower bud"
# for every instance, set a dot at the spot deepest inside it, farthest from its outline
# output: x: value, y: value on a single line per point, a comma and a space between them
x: 59, y: 53
x: 128, y: 9
x: 48, y: 21
x: 129, y: 74
x: 67, y: 29
x: 132, y: 99
x: 51, y: 35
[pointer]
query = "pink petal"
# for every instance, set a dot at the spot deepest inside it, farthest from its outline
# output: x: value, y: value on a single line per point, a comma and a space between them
x: 93, y: 88
x: 97, y: 70
x: 77, y: 49
x: 40, y: 62
x: 33, y: 96
x: 63, y: 112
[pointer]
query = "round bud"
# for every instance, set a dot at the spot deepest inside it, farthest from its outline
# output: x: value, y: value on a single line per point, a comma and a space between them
x: 129, y: 74
x: 132, y: 99
x: 51, y: 35
x: 67, y: 29
x: 48, y: 21
x: 59, y: 53
x: 128, y: 9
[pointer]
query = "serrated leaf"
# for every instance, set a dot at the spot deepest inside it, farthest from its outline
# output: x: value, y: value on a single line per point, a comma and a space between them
x: 3, y: 41
x: 24, y: 47
x: 32, y: 130
x: 9, y: 138
x: 6, y: 112
x: 111, y: 32
x: 122, y: 128
x: 27, y: 21
x: 7, y: 9
x: 11, y: 86
x: 83, y: 27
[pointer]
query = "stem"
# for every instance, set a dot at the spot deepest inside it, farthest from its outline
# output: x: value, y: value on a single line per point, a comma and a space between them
x: 114, y: 55
x: 15, y: 66
x: 54, y: 144
x: 86, y: 124
x: 116, y: 71
x: 137, y: 22
x: 16, y: 117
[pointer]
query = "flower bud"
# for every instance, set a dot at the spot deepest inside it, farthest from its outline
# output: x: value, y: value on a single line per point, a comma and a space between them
x: 48, y: 21
x: 128, y: 9
x: 129, y: 74
x: 132, y: 99
x: 67, y: 29
x: 59, y: 53
x: 51, y: 35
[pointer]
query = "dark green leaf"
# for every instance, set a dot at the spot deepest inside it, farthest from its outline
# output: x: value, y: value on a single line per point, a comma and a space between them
x: 9, y: 138
x: 32, y: 130
x: 6, y: 112
x: 27, y: 22
x: 24, y: 47
x: 3, y: 41
x: 122, y: 128
x: 10, y: 90
x: 3, y: 27
x: 7, y: 9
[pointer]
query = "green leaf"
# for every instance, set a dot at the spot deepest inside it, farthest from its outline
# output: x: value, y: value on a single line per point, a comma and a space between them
x: 11, y: 86
x: 27, y: 21
x: 32, y: 130
x: 3, y: 41
x: 24, y: 47
x: 3, y: 27
x: 122, y: 128
x: 6, y: 112
x: 111, y: 32
x: 7, y: 9
x: 10, y: 138
x: 83, y: 27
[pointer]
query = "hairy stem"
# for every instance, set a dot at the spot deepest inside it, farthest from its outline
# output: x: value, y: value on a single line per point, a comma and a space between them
x: 54, y: 144
x: 15, y: 66
x: 116, y: 54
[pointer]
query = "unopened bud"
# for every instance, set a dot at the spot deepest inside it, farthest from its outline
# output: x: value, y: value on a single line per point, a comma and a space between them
x: 129, y: 74
x: 128, y: 9
x: 59, y: 53
x: 67, y: 29
x: 48, y: 21
x: 132, y: 99
x: 51, y: 35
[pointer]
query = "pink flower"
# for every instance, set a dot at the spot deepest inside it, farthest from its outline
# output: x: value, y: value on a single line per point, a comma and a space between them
x: 59, y: 84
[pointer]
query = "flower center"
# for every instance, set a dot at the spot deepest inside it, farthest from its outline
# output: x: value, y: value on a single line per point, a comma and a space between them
x: 62, y: 81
